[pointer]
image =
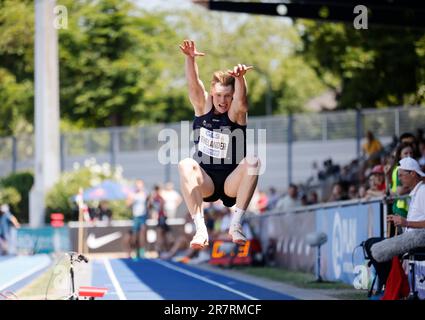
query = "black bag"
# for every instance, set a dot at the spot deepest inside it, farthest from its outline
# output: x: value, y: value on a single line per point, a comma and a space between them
x: 382, y: 269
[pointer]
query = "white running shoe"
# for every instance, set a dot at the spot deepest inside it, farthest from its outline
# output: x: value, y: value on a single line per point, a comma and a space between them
x: 237, y: 235
x: 200, y: 240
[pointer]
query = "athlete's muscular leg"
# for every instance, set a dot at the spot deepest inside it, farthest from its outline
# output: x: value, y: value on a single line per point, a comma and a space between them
x: 241, y: 183
x: 195, y: 184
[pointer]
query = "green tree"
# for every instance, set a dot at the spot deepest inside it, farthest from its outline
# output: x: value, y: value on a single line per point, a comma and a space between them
x: 379, y: 66
x: 16, y: 65
x: 270, y: 44
x: 112, y: 64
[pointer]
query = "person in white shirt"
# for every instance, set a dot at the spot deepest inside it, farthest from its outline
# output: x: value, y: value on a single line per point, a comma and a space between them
x: 290, y: 200
x: 172, y: 200
x: 412, y: 176
x: 137, y: 202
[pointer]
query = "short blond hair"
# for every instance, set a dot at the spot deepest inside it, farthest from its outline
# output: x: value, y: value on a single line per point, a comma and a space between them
x: 223, y: 78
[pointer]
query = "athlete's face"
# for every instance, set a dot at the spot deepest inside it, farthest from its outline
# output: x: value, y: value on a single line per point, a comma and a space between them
x: 222, y: 97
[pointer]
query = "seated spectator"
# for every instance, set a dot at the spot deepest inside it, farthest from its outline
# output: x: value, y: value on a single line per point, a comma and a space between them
x: 337, y: 193
x: 376, y: 182
x: 273, y: 198
x: 411, y: 176
x: 362, y: 191
x: 330, y: 169
x: 304, y: 200
x: 103, y: 212
x: 182, y: 241
x: 263, y: 201
x: 290, y: 200
x: 409, y: 138
x: 352, y: 192
x: 313, y: 198
x: 371, y: 148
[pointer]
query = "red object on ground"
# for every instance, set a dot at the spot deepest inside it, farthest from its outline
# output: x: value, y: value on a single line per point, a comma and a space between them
x: 397, y: 285
x: 56, y: 220
x: 93, y: 292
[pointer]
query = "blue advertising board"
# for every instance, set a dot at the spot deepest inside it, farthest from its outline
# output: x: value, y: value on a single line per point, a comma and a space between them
x: 42, y: 240
x: 346, y: 228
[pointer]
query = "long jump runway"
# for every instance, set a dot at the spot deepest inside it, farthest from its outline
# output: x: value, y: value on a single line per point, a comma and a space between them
x: 154, y: 279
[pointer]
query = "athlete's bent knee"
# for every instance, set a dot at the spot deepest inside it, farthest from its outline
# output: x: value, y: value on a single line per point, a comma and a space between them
x: 253, y: 165
x: 187, y: 166
x: 253, y: 162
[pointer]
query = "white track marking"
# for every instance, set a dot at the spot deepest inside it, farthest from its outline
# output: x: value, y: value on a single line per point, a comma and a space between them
x: 114, y: 280
x: 197, y: 276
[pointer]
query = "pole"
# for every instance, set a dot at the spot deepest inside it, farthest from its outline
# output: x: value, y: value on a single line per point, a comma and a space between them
x: 46, y: 113
x: 358, y: 132
x: 80, y: 204
x: 289, y: 142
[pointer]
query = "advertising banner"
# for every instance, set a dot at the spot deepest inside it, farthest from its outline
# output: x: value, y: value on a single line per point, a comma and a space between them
x: 346, y: 227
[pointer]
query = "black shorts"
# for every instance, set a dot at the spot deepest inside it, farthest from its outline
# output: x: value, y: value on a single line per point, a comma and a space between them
x: 219, y: 177
x: 162, y: 223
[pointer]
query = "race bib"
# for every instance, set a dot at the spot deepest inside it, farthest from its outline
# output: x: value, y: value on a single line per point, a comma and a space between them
x: 213, y: 144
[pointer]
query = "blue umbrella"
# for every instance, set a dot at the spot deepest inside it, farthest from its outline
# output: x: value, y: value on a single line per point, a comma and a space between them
x: 107, y: 190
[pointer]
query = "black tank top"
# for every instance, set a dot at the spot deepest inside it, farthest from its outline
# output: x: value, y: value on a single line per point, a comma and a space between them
x: 220, y: 143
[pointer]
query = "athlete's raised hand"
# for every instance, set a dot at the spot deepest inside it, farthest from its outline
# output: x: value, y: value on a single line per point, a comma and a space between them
x: 189, y: 49
x: 239, y: 70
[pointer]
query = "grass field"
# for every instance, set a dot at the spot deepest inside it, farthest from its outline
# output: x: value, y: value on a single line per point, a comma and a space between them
x: 304, y: 280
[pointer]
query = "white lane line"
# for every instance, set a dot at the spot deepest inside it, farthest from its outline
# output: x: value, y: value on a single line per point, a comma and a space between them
x: 114, y: 280
x: 41, y: 266
x: 197, y: 276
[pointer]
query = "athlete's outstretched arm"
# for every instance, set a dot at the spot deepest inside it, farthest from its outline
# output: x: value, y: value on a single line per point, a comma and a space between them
x: 240, y: 99
x: 197, y: 93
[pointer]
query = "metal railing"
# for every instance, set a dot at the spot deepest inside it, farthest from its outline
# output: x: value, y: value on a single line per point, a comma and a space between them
x: 18, y: 152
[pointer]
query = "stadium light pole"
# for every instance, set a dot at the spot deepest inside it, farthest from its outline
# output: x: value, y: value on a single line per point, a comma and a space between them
x: 46, y: 111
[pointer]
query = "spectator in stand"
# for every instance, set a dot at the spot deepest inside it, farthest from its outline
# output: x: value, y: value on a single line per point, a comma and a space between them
x: 304, y: 199
x: 422, y: 154
x: 103, y: 212
x: 290, y: 200
x: 263, y: 201
x: 273, y: 198
x: 313, y: 198
x: 352, y: 192
x: 7, y: 237
x: 409, y: 138
x: 376, y: 182
x: 172, y: 200
x: 371, y: 148
x: 404, y: 150
x: 314, y: 177
x: 137, y: 201
x: 337, y: 193
x: 157, y: 212
x: 362, y: 191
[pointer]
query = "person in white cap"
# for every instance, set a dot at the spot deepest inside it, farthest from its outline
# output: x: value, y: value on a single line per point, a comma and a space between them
x: 411, y: 176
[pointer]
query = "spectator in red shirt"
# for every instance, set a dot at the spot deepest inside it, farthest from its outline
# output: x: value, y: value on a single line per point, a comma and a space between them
x: 376, y: 182
x: 263, y: 202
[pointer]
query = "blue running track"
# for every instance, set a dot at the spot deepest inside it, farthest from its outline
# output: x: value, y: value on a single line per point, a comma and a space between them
x: 154, y: 279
